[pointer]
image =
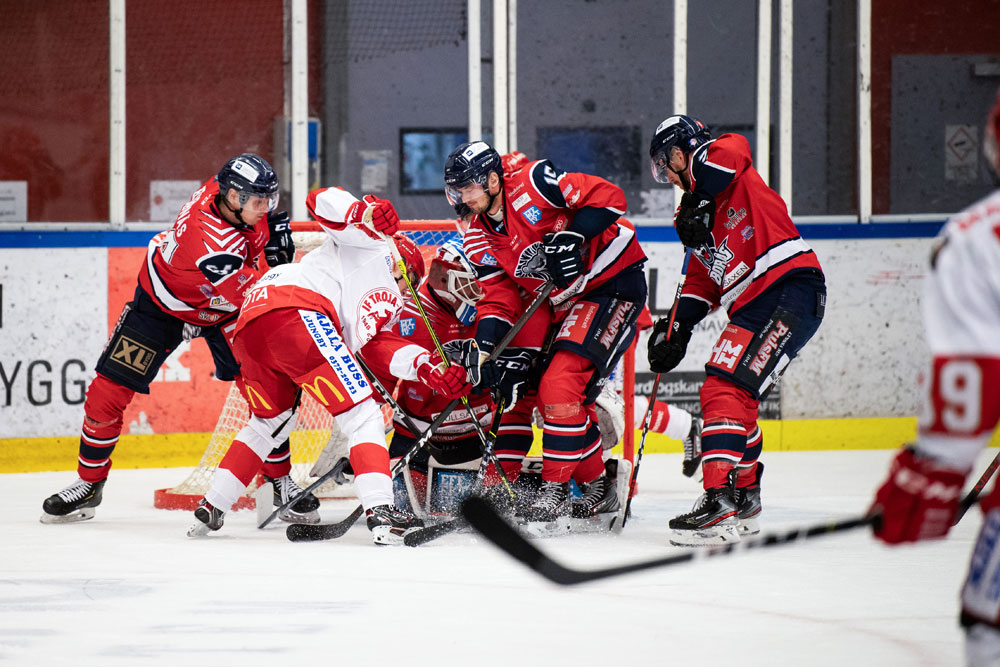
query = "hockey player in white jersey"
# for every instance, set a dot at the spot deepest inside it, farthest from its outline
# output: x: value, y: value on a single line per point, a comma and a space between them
x: 299, y: 330
x: 961, y: 407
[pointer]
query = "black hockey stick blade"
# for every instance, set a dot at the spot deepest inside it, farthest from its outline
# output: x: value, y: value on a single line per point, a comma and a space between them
x: 309, y: 489
x: 485, y: 519
x: 300, y: 532
x: 425, y: 535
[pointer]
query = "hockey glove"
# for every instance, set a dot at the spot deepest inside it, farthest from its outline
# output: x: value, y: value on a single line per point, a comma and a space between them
x: 694, y: 220
x: 384, y: 218
x: 280, y: 248
x: 918, y: 501
x: 512, y: 369
x: 666, y: 349
x: 563, y: 257
x: 472, y: 360
x: 448, y: 382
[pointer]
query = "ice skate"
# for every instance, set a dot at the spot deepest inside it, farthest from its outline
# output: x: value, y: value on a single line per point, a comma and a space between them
x: 714, y: 520
x: 692, y: 449
x: 208, y: 519
x: 549, y: 513
x: 389, y: 524
x: 748, y: 504
x: 74, y: 503
x: 305, y: 510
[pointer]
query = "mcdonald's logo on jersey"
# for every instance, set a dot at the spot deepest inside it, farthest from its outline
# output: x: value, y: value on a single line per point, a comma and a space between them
x: 324, y: 389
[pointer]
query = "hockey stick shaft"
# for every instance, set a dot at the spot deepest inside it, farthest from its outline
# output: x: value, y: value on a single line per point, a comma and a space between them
x: 970, y: 498
x: 333, y: 472
x: 485, y: 519
x: 487, y: 450
x: 652, y: 394
x: 302, y: 532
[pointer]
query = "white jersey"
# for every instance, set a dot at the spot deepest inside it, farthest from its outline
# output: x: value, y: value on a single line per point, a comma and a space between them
x: 961, y: 308
x: 348, y: 278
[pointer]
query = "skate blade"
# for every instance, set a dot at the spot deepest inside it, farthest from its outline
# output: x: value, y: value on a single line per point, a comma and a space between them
x: 383, y: 535
x: 309, y: 518
x: 713, y: 536
x: 77, y: 516
x: 749, y: 527
x: 560, y: 526
x: 199, y: 529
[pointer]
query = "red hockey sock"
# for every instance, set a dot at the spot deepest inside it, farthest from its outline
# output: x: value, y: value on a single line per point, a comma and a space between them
x: 241, y: 461
x: 716, y: 473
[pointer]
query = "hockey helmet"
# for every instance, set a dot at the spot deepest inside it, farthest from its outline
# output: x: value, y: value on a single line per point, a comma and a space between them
x: 469, y: 164
x: 412, y: 257
x: 684, y: 132
x: 251, y: 176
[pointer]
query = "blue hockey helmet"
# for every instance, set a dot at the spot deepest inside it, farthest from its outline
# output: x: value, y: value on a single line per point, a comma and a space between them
x: 470, y: 164
x: 251, y: 176
x: 684, y: 132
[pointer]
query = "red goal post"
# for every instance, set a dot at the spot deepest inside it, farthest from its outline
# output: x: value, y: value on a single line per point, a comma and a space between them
x: 315, y: 427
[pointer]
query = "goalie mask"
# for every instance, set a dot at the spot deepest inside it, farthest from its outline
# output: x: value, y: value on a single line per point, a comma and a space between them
x: 454, y: 280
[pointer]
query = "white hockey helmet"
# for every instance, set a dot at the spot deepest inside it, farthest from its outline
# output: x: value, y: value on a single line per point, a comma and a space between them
x: 452, y: 275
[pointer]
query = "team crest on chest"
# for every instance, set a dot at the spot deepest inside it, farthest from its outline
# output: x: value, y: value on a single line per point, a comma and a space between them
x: 531, y: 263
x: 376, y: 309
x: 715, y: 260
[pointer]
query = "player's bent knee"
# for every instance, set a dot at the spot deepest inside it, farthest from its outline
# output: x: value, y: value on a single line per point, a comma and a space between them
x: 560, y: 411
x: 268, y: 432
x: 363, y: 423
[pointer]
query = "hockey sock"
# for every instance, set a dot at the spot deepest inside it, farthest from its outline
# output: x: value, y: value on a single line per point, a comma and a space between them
x: 716, y: 473
x: 747, y: 467
x: 679, y: 422
x: 370, y: 462
x: 278, y: 462
x: 236, y: 471
x: 102, y: 425
x: 591, y: 465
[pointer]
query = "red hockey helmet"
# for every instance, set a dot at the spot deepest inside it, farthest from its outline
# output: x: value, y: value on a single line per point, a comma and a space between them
x: 991, y: 148
x: 412, y: 257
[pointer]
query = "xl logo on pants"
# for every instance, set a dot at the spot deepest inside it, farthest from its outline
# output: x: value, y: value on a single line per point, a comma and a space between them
x: 134, y: 356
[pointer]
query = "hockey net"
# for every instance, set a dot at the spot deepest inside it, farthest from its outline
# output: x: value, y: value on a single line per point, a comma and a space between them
x: 315, y: 427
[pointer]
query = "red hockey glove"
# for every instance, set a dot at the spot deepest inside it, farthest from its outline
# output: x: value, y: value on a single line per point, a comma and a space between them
x: 449, y: 382
x: 384, y: 218
x: 918, y: 501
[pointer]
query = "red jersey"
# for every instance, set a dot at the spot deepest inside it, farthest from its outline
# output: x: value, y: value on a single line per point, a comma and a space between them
x: 755, y: 240
x: 394, y: 353
x: 539, y: 199
x: 200, y: 269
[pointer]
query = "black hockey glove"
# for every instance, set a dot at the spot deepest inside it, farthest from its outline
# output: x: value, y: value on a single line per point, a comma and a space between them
x: 563, y: 259
x: 694, y: 220
x: 665, y: 353
x: 513, y: 367
x: 280, y: 248
x: 472, y: 359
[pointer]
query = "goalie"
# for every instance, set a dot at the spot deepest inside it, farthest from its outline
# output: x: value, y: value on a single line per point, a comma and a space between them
x: 299, y: 330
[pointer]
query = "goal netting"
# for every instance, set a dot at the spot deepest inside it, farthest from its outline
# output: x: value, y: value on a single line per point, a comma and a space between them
x: 315, y: 428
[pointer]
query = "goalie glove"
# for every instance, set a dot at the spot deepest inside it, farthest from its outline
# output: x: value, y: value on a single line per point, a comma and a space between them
x: 563, y: 257
x: 666, y: 349
x: 694, y: 220
x: 918, y: 501
x: 280, y: 248
x: 449, y: 382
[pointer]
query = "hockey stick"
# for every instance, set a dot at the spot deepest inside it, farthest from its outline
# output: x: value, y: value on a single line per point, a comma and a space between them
x: 487, y: 450
x: 333, y: 472
x: 301, y: 532
x: 652, y: 396
x: 486, y: 520
x: 387, y: 397
x: 425, y: 535
x: 970, y: 498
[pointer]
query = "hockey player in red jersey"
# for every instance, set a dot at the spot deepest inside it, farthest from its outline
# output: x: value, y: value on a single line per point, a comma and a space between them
x: 191, y: 285
x: 534, y: 225
x: 960, y: 407
x: 449, y: 297
x: 751, y: 261
x: 299, y: 329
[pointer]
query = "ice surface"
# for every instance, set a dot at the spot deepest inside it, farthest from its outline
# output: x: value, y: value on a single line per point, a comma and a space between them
x: 128, y: 588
